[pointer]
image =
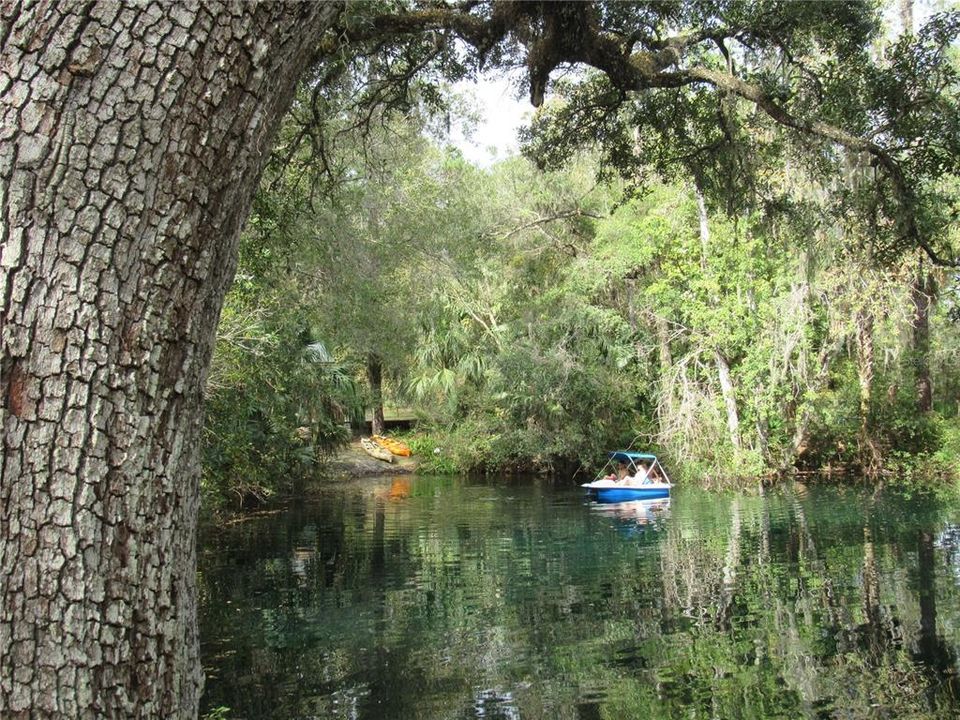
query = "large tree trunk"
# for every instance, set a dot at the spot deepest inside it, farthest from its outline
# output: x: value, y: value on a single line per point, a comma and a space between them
x: 131, y: 141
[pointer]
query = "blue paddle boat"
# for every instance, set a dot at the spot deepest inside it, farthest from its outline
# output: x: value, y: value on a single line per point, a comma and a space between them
x: 635, y: 476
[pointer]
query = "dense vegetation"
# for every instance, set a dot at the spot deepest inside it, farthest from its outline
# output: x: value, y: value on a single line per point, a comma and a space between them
x: 673, y: 270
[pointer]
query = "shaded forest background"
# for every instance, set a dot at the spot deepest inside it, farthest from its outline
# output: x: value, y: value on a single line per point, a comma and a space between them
x: 675, y: 272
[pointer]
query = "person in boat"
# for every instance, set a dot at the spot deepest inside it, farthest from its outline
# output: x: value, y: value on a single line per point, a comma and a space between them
x: 620, y: 474
x: 653, y: 474
x: 641, y: 478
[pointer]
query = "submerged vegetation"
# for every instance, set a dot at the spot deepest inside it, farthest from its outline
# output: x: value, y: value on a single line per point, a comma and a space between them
x: 675, y: 270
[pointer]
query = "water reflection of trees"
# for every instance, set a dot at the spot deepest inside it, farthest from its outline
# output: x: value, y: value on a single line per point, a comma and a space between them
x: 448, y: 599
x: 802, y: 629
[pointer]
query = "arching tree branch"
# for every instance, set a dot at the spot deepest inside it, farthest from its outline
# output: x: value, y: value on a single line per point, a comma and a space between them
x: 550, y: 34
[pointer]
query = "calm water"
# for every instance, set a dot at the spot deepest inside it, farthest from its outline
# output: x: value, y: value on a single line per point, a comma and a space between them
x: 440, y: 598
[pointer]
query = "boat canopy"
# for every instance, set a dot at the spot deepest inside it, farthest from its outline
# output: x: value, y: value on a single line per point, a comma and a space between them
x: 630, y: 459
x: 626, y: 456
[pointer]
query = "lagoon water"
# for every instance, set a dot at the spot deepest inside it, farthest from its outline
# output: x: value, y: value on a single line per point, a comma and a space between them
x: 430, y: 598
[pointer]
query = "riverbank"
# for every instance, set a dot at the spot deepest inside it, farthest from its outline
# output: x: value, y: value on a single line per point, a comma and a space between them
x: 352, y: 461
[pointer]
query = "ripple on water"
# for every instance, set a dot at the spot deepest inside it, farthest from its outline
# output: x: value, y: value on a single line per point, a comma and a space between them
x: 454, y: 598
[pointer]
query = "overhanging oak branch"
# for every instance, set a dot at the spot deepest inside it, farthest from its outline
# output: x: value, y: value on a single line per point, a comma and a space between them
x: 552, y: 34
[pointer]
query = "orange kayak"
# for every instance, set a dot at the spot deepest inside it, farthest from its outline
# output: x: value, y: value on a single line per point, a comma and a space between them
x: 394, y: 446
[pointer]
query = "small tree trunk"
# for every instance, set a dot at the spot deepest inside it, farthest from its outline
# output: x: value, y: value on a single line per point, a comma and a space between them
x: 720, y: 362
x: 665, y: 405
x: 922, y: 291
x: 763, y: 437
x: 132, y: 136
x: 639, y: 347
x: 630, y: 291
x: 729, y: 398
x: 906, y: 15
x: 704, y: 228
x: 375, y: 378
x: 665, y: 357
x: 864, y: 338
x: 869, y: 453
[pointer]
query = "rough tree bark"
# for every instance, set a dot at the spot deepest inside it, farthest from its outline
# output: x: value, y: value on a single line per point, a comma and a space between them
x: 131, y: 140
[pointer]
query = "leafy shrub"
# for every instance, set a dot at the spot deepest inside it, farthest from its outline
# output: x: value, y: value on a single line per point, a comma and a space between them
x: 276, y: 404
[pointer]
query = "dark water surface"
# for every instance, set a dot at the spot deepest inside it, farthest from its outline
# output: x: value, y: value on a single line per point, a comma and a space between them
x: 440, y: 598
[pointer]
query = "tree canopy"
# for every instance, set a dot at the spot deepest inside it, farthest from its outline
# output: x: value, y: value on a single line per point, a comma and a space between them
x: 750, y: 160
x: 709, y: 84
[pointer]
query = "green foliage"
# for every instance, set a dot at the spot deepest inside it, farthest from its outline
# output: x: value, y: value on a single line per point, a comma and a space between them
x: 771, y: 331
x: 277, y: 401
x: 810, y: 68
x: 561, y: 392
x: 331, y: 273
x: 450, y: 450
x: 835, y: 423
x: 947, y: 456
x: 276, y: 405
x: 530, y: 373
x: 687, y: 275
x: 375, y: 240
x: 541, y: 325
x: 218, y: 713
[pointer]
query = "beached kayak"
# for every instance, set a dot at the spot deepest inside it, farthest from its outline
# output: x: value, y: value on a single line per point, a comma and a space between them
x: 375, y: 451
x: 394, y: 446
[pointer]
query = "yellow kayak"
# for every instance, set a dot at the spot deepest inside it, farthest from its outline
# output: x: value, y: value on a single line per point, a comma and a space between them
x: 374, y: 450
x: 394, y: 446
